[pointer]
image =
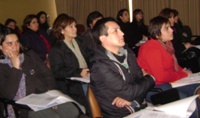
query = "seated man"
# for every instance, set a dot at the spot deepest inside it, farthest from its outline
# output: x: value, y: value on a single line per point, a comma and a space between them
x: 117, y: 81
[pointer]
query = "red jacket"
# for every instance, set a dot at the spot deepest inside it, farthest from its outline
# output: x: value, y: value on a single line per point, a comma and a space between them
x: 154, y: 59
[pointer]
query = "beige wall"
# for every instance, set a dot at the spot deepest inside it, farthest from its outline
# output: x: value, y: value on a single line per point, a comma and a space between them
x: 18, y: 9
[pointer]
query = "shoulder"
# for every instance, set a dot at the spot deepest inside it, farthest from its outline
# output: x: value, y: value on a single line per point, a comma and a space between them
x: 151, y: 44
x: 59, y: 48
x: 27, y: 34
x: 31, y: 55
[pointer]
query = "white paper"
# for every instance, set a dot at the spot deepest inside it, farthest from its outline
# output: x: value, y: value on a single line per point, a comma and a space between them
x: 85, y: 80
x: 37, y: 99
x: 196, y: 46
x: 191, y: 79
x: 151, y: 114
x: 46, y: 100
x: 178, y: 109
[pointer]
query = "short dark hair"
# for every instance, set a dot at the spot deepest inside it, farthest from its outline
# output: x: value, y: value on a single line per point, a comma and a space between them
x: 100, y: 28
x: 4, y: 31
x: 93, y: 15
x: 155, y: 26
x: 8, y: 21
x: 175, y: 12
x: 166, y: 13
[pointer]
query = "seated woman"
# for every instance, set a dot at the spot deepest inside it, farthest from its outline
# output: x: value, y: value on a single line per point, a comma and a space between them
x: 187, y: 55
x: 34, y: 38
x: 67, y: 59
x: 157, y: 57
x: 19, y: 78
x: 139, y: 29
x: 42, y: 20
x: 124, y: 23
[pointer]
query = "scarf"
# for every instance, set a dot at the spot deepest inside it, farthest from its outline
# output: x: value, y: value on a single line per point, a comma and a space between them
x: 21, y: 92
x: 76, y: 50
x: 122, y: 52
x: 48, y: 46
x: 168, y: 46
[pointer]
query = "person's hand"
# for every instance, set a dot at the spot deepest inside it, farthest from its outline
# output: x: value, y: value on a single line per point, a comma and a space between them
x: 120, y: 102
x: 15, y: 58
x: 187, y: 45
x: 184, y: 34
x: 85, y: 72
x: 144, y: 38
x: 188, y: 71
x: 144, y: 72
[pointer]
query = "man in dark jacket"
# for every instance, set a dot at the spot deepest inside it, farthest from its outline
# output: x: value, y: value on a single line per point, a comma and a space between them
x: 117, y: 81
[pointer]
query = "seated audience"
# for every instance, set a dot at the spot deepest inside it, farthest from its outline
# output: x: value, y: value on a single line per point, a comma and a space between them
x: 157, y: 57
x: 118, y: 83
x: 34, y: 38
x: 42, y: 20
x: 68, y: 59
x: 23, y: 73
x: 187, y: 56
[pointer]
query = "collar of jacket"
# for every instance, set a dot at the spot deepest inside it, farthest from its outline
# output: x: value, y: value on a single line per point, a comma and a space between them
x: 100, y: 53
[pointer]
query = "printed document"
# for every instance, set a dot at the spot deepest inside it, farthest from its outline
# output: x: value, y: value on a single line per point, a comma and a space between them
x: 178, y: 109
x: 191, y: 79
x: 46, y: 100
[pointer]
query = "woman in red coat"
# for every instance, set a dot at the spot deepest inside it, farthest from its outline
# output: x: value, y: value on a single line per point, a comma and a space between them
x: 157, y: 58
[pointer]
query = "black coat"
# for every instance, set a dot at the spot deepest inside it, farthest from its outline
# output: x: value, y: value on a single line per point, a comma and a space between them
x: 38, y: 77
x: 107, y: 83
x: 32, y: 40
x: 64, y: 65
x: 139, y: 29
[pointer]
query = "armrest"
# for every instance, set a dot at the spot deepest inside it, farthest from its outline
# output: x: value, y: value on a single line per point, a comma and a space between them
x: 156, y: 90
x: 165, y: 96
x: 16, y: 107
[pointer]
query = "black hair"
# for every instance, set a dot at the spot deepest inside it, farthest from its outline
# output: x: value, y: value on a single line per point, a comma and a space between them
x: 166, y: 12
x: 120, y: 13
x: 135, y: 12
x: 4, y: 31
x: 8, y: 21
x: 100, y: 28
x: 93, y: 15
x: 27, y: 20
x: 39, y: 14
x: 155, y: 26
